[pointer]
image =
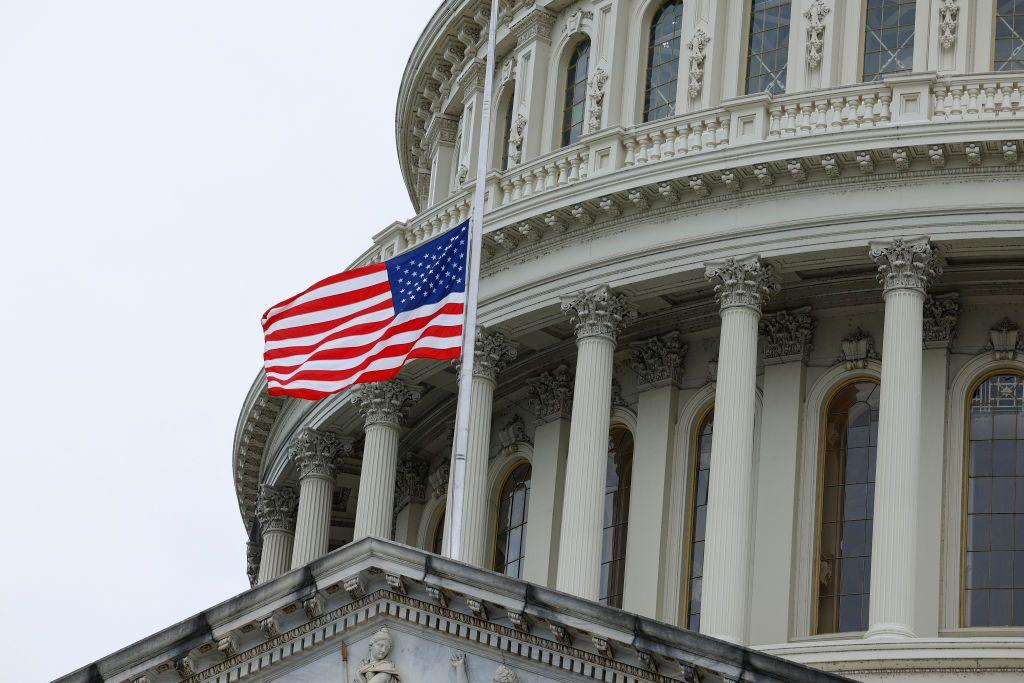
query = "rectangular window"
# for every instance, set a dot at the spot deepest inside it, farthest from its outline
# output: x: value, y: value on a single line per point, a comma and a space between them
x: 1009, y: 52
x: 888, y: 38
x: 768, y: 46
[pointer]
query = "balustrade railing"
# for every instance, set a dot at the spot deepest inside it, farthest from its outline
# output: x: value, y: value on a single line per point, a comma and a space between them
x: 839, y: 110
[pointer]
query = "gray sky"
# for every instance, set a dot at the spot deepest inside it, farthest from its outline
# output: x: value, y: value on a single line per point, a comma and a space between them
x: 168, y: 170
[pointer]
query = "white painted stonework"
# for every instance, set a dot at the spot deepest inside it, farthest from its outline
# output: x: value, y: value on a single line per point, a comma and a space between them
x: 826, y: 184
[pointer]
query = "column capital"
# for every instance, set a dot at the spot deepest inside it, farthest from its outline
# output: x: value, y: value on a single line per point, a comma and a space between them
x: 598, y: 312
x: 788, y: 335
x: 941, y: 315
x: 535, y: 25
x: 909, y: 263
x: 410, y: 482
x: 492, y: 353
x: 276, y: 508
x: 745, y: 281
x: 659, y: 361
x: 551, y: 394
x: 385, y: 402
x: 317, y: 453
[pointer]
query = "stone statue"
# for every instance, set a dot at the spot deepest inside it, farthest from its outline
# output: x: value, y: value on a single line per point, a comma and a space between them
x: 377, y: 668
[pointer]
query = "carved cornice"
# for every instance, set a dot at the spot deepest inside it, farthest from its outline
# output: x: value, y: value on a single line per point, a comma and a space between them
x: 741, y: 282
x: 598, y: 312
x: 410, y: 482
x: 941, y: 314
x: 317, y: 454
x: 442, y: 129
x: 535, y: 25
x: 905, y: 263
x: 788, y: 334
x: 385, y: 403
x: 659, y: 360
x: 551, y: 394
x: 276, y: 508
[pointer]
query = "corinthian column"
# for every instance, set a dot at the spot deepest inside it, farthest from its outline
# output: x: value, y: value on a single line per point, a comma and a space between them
x: 598, y: 314
x: 493, y: 351
x: 383, y: 405
x: 275, y: 510
x: 905, y: 268
x: 315, y: 456
x: 741, y: 286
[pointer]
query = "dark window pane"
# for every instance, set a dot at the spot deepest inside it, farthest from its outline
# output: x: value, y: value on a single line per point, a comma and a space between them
x: 888, y: 38
x: 698, y: 508
x: 1009, y: 38
x: 663, y: 59
x: 513, y: 502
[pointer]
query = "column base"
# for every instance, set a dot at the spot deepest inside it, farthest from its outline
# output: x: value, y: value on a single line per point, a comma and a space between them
x: 890, y: 632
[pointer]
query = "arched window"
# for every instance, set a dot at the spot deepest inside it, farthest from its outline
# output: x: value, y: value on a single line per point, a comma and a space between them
x: 993, y: 570
x: 513, y: 500
x: 698, y: 519
x: 663, y: 61
x: 616, y: 515
x: 888, y: 38
x: 847, y: 508
x: 1009, y: 47
x: 437, y: 538
x: 768, y: 46
x: 575, y: 93
x: 506, y: 140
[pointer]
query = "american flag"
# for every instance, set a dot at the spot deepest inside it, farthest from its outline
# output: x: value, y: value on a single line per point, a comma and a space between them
x: 364, y: 324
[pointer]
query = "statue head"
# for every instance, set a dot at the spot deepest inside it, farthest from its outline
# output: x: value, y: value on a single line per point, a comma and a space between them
x: 381, y: 644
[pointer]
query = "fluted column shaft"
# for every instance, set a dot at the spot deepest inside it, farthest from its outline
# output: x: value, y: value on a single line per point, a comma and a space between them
x: 905, y: 267
x: 597, y: 313
x: 579, y: 565
x: 492, y: 353
x: 742, y: 285
x: 275, y: 510
x: 475, y: 507
x: 313, y: 522
x: 315, y: 455
x: 383, y: 405
x: 376, y: 501
x: 726, y: 583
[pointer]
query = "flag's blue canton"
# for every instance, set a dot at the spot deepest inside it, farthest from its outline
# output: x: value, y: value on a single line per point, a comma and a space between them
x: 429, y: 272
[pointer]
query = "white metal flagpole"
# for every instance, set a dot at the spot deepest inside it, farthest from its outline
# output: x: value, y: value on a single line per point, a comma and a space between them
x: 476, y: 232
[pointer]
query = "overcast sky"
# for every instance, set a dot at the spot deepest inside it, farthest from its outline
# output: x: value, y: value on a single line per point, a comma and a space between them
x: 168, y: 170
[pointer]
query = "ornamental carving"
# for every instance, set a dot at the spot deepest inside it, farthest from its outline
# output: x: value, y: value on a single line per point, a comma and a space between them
x: 410, y: 482
x: 597, y: 85
x: 377, y: 667
x: 698, y: 47
x: 511, y: 435
x: 815, y: 16
x: 551, y: 394
x: 741, y: 282
x: 858, y: 349
x: 659, y: 360
x: 385, y: 402
x: 575, y: 21
x: 941, y: 314
x: 508, y: 70
x: 515, y: 139
x: 317, y: 454
x: 1005, y: 340
x: 788, y: 333
x: 253, y: 555
x: 505, y: 675
x: 439, y: 479
x: 537, y: 25
x: 276, y: 508
x: 492, y: 353
x: 905, y: 264
x: 598, y: 312
x: 949, y: 16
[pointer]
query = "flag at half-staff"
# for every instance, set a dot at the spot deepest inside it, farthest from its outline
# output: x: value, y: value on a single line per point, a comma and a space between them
x: 364, y: 324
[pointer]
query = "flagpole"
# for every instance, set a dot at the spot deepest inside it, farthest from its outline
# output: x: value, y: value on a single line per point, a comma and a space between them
x: 476, y: 232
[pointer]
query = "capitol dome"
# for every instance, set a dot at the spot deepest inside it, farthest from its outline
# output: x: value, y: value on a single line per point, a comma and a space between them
x: 749, y: 361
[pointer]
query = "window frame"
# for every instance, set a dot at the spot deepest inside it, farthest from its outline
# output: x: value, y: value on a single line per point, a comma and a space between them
x: 744, y: 67
x: 992, y: 51
x: 569, y: 52
x: 965, y: 445
x: 864, y: 44
x: 693, y: 466
x: 819, y: 499
x: 618, y: 426
x: 496, y: 497
x: 647, y: 53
